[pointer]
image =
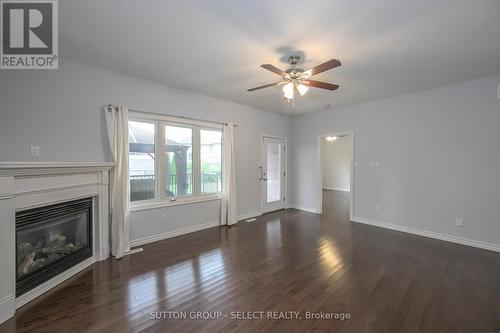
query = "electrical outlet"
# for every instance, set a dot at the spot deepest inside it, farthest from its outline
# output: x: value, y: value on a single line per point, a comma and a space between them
x: 377, y: 209
x: 459, y: 221
x: 35, y: 151
x: 164, y: 218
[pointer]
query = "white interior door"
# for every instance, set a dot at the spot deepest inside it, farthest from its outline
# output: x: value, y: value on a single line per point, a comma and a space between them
x: 272, y: 174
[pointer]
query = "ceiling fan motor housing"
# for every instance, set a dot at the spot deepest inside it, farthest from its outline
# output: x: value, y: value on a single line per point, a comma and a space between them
x: 293, y: 59
x: 294, y: 72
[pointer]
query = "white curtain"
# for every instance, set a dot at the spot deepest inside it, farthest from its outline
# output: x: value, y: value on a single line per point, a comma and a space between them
x: 228, y: 203
x: 117, y: 125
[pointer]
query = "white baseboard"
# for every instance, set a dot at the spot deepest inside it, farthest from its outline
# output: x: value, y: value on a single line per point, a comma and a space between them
x: 7, y: 308
x: 336, y: 189
x: 305, y: 209
x: 173, y: 233
x: 46, y: 286
x: 249, y: 215
x: 430, y: 234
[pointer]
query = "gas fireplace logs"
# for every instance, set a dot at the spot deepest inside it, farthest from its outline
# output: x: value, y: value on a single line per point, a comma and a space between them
x: 33, y: 256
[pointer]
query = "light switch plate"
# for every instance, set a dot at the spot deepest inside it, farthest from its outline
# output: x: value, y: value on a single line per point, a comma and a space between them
x: 498, y: 92
x: 35, y: 151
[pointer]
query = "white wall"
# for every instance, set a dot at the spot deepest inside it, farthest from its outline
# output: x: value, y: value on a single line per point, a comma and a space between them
x: 336, y: 163
x: 62, y: 112
x: 439, y: 155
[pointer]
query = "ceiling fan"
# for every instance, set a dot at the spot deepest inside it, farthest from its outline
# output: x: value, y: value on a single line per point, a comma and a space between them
x: 295, y: 77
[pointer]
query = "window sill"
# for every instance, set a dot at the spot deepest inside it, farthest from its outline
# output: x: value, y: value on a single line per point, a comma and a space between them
x: 162, y: 204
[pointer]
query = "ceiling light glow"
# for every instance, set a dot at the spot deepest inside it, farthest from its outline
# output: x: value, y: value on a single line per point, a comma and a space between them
x: 302, y: 88
x: 288, y: 90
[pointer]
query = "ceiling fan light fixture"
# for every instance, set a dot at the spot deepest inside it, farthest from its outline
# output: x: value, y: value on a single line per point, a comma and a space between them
x: 295, y: 77
x: 302, y: 88
x: 288, y: 90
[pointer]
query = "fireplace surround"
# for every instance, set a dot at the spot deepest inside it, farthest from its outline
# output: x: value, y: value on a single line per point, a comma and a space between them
x: 28, y: 187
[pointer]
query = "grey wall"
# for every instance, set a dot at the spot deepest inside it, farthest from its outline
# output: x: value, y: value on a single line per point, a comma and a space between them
x: 439, y: 157
x: 62, y: 112
x: 336, y: 157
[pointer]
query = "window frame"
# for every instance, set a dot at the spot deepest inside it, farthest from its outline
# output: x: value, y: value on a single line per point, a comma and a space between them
x: 160, y: 199
x: 206, y: 128
x: 163, y: 196
x: 156, y: 191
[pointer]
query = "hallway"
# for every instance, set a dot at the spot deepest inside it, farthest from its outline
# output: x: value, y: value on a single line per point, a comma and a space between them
x: 336, y: 205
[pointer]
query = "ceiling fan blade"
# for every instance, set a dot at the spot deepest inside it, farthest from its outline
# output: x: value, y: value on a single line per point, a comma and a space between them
x: 274, y: 69
x: 266, y: 86
x: 323, y: 67
x: 319, y: 84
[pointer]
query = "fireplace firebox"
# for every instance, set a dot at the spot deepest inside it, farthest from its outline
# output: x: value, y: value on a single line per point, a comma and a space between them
x: 50, y: 240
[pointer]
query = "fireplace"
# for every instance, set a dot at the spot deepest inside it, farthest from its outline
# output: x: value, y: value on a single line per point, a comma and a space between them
x: 50, y: 240
x: 25, y: 185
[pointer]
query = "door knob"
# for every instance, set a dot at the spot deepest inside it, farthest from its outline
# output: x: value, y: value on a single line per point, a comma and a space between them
x: 262, y: 173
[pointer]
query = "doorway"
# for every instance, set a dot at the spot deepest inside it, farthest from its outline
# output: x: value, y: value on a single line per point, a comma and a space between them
x: 336, y: 168
x: 272, y: 173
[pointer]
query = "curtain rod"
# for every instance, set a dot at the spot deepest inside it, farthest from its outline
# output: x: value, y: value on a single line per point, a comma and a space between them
x: 109, y: 106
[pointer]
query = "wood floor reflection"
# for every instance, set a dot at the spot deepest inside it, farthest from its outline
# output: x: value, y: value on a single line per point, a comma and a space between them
x: 285, y: 261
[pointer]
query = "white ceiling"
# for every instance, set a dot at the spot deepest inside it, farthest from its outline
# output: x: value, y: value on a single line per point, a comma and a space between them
x: 387, y: 47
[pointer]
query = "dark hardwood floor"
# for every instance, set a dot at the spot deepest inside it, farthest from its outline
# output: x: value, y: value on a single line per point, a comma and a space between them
x: 285, y: 261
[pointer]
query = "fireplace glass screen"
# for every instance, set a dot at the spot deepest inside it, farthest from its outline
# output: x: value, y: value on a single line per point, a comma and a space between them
x: 50, y: 240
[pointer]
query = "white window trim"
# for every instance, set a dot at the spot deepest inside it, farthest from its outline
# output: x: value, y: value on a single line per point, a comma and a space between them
x: 161, y: 200
x: 134, y: 115
x: 137, y: 206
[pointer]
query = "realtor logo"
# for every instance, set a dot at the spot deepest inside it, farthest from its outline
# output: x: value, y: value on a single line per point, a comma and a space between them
x: 29, y: 35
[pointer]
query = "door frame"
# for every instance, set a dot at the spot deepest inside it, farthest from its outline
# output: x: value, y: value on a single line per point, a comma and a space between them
x: 285, y: 165
x: 319, y: 170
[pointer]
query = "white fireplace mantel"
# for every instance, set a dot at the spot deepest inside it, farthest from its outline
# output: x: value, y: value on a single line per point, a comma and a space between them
x: 49, y: 168
x: 25, y: 185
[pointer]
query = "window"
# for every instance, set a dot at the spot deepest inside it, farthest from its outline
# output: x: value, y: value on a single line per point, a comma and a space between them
x: 178, y: 161
x: 211, y: 160
x: 141, y: 137
x: 190, y: 166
